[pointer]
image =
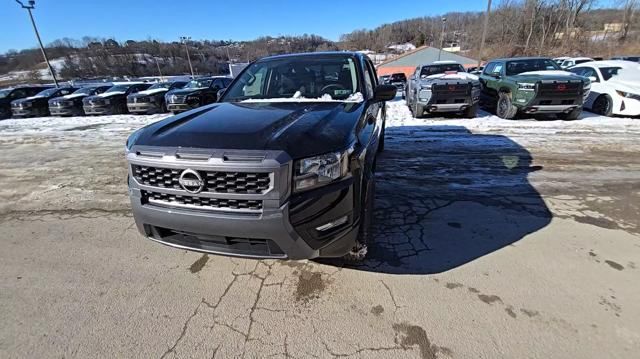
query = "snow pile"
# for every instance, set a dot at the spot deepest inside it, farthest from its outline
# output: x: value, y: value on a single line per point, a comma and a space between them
x: 297, y: 97
x: 548, y: 73
x: 154, y: 91
x: 109, y: 94
x: 453, y: 76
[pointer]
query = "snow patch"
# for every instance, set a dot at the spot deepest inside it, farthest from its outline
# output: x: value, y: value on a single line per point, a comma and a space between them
x: 297, y: 97
x: 549, y: 73
x: 151, y: 92
x: 109, y: 94
x: 456, y: 76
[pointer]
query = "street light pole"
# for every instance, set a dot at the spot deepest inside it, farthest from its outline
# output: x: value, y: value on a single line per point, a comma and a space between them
x: 185, y: 39
x: 484, y: 33
x: 30, y: 7
x: 444, y: 21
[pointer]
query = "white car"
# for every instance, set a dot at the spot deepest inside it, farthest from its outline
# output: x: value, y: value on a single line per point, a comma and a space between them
x: 615, y: 87
x: 572, y: 61
x: 560, y: 60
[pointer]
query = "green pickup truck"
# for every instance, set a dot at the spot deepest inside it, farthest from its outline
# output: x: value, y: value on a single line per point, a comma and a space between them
x: 532, y: 85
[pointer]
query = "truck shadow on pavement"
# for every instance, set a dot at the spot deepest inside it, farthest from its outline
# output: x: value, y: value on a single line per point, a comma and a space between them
x: 446, y: 197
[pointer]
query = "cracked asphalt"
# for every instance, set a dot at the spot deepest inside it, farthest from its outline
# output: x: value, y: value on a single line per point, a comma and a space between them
x: 492, y: 240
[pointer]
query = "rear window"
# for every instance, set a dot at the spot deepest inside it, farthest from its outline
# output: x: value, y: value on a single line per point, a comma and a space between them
x: 516, y: 67
x: 398, y: 77
x: 609, y: 72
x: 440, y: 69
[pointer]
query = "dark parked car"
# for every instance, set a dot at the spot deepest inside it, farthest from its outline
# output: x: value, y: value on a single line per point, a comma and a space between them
x: 71, y: 105
x: 398, y: 80
x: 38, y: 105
x: 113, y: 101
x: 152, y: 99
x: 15, y: 93
x: 196, y: 93
x: 627, y: 58
x: 282, y: 167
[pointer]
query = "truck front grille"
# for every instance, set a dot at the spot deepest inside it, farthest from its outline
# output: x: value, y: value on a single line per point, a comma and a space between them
x: 203, y: 203
x: 452, y: 89
x: 215, y: 182
x: 560, y: 89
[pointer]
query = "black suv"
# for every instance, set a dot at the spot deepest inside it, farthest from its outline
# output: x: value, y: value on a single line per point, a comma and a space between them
x: 38, y: 105
x: 11, y: 94
x: 113, y: 101
x: 196, y: 93
x: 71, y: 105
x: 152, y: 99
x: 281, y: 167
x: 399, y: 80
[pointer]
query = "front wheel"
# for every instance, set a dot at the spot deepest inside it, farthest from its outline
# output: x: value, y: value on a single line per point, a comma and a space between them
x: 359, y: 252
x: 471, y: 112
x: 505, y: 108
x: 603, y: 105
x: 573, y: 115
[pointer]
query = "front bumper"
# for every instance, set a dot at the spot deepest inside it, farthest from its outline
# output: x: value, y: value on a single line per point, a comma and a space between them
x: 143, y: 107
x: 435, y: 102
x: 65, y: 111
x: 98, y: 110
x: 284, y: 227
x: 25, y: 112
x: 179, y: 107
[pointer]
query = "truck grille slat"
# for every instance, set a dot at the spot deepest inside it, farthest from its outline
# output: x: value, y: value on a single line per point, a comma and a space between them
x: 215, y: 182
x: 200, y: 202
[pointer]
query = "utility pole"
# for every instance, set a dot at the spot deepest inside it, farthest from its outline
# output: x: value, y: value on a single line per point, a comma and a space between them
x: 185, y: 40
x: 31, y: 6
x: 484, y: 33
x: 444, y: 21
x: 160, y: 72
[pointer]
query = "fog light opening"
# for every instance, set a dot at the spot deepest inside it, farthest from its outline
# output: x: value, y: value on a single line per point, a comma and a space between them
x: 333, y: 224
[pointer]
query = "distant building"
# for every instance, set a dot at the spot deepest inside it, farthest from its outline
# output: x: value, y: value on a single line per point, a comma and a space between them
x: 402, y: 47
x: 614, y: 27
x: 408, y: 62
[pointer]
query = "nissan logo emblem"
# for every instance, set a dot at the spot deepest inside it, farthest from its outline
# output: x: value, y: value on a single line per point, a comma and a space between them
x: 191, y: 181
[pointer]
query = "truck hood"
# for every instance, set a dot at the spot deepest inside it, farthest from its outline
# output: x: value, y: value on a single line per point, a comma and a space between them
x: 534, y: 76
x: 188, y: 91
x: 300, y: 129
x: 32, y: 100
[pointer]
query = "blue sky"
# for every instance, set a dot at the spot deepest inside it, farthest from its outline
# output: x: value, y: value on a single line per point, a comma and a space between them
x: 209, y: 19
x: 202, y: 19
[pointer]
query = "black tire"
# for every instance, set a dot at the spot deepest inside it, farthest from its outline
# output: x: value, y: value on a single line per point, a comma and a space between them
x: 418, y: 110
x: 505, y: 109
x: 163, y: 107
x: 603, y: 105
x: 359, y: 252
x: 471, y: 112
x: 571, y: 116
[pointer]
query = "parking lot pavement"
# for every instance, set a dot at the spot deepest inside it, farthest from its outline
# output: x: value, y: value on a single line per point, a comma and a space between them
x: 493, y: 239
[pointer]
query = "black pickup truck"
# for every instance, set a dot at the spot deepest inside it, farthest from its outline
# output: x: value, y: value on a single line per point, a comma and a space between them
x: 281, y: 167
x: 196, y: 93
x: 38, y: 105
x: 11, y: 94
x: 71, y: 105
x: 113, y: 101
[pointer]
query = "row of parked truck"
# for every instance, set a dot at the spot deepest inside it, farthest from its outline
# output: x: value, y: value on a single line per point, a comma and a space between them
x: 527, y: 85
x: 109, y: 99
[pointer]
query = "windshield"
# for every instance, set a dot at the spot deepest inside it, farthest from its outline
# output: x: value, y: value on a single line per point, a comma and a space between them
x: 326, y: 77
x: 118, y: 88
x: 85, y: 90
x: 160, y: 85
x: 196, y: 84
x: 398, y: 77
x: 5, y: 93
x: 519, y: 66
x: 440, y: 69
x: 609, y: 72
x: 47, y: 93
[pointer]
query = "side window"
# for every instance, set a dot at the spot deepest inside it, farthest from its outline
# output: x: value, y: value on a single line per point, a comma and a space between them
x: 489, y: 68
x: 368, y: 82
x: 217, y: 84
x: 33, y: 92
x: 19, y: 93
x: 226, y: 82
x: 64, y: 92
x: 590, y: 72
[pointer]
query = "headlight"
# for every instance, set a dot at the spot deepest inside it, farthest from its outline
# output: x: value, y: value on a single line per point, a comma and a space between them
x: 628, y: 95
x: 526, y: 86
x: 426, y: 87
x: 131, y: 140
x: 320, y: 170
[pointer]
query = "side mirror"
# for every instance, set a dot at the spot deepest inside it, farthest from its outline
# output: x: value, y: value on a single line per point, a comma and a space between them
x: 384, y: 93
x: 495, y: 76
x: 593, y: 79
x: 220, y: 93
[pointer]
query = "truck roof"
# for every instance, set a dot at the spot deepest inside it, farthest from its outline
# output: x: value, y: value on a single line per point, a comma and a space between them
x: 317, y: 54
